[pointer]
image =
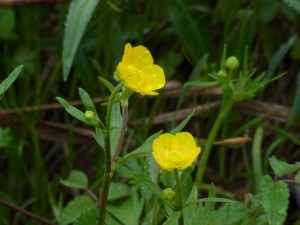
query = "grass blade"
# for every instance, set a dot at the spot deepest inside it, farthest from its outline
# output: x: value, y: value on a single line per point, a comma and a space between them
x: 80, y: 13
x: 186, y: 29
x: 10, y: 79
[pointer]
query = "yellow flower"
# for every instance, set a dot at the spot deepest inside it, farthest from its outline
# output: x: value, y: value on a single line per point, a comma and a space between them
x: 138, y: 72
x: 175, y: 151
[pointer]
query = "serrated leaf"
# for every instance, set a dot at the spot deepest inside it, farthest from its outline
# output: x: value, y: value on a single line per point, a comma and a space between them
x: 274, y: 199
x: 88, y: 218
x: 73, y: 111
x: 7, y: 82
x: 86, y: 100
x: 76, y: 179
x: 281, y: 168
x: 80, y: 13
x: 75, y: 209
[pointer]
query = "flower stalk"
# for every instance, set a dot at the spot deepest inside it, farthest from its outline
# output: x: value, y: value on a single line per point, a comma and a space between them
x: 179, y: 197
x: 108, y: 173
x: 225, y: 109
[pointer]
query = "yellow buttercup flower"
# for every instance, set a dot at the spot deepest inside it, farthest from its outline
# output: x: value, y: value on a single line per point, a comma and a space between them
x: 175, y: 151
x: 138, y: 72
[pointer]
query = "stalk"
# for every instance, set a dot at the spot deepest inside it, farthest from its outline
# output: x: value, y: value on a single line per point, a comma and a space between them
x: 108, y: 168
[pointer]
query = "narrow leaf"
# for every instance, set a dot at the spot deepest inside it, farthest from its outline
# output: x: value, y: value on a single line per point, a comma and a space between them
x: 74, y: 111
x: 86, y: 100
x: 80, y: 13
x: 294, y: 114
x: 143, y: 149
x: 173, y: 219
x: 107, y: 84
x: 6, y: 83
x: 186, y: 29
x: 183, y: 123
x: 295, y: 4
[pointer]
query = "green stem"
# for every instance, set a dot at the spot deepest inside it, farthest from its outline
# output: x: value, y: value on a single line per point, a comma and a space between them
x: 107, y: 149
x: 179, y: 197
x: 210, y: 140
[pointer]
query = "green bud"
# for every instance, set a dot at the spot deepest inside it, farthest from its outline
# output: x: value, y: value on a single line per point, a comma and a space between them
x: 168, y: 193
x: 232, y: 63
x: 89, y: 115
x: 222, y: 74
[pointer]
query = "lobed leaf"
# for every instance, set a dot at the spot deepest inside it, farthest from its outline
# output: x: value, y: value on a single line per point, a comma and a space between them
x: 274, y: 199
x: 281, y: 168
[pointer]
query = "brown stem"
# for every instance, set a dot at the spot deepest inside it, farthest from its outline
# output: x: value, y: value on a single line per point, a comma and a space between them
x: 26, y: 213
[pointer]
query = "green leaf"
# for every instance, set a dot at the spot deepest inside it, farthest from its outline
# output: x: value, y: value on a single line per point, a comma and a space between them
x: 297, y: 177
x: 173, y: 219
x: 152, y: 186
x: 194, y: 75
x: 107, y: 84
x: 75, y: 209
x: 5, y: 137
x: 75, y: 112
x: 183, y: 123
x: 86, y: 100
x: 281, y: 168
x: 88, y: 218
x: 76, y: 179
x: 116, y: 123
x: 295, y: 4
x: 143, y: 149
x: 294, y: 114
x: 128, y: 211
x: 279, y: 56
x: 117, y: 191
x: 7, y: 24
x: 5, y: 84
x: 80, y: 13
x: 186, y: 29
x: 274, y: 199
x: 190, y: 207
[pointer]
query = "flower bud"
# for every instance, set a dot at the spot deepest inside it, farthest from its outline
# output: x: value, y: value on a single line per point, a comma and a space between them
x: 89, y: 115
x: 232, y: 63
x: 168, y: 193
x: 222, y: 74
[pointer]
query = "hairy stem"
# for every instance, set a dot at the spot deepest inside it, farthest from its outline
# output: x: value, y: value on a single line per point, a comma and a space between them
x: 107, y: 148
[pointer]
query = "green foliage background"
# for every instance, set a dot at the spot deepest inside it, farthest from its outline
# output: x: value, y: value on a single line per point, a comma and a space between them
x: 40, y: 144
